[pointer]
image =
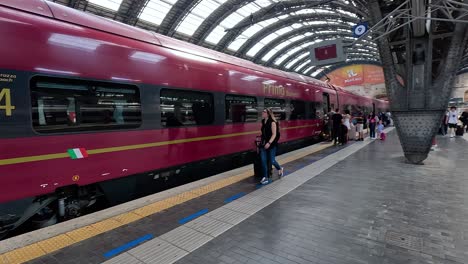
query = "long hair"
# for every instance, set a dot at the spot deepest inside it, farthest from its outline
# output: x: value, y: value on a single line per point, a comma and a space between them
x: 270, y: 114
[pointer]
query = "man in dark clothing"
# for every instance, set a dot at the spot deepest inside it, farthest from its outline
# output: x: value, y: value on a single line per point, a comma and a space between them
x: 464, y: 119
x: 336, y: 118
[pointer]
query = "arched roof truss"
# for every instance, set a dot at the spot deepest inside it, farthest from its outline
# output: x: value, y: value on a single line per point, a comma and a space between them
x: 274, y: 33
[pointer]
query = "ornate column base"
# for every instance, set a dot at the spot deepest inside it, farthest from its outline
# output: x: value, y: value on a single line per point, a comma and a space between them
x: 416, y: 130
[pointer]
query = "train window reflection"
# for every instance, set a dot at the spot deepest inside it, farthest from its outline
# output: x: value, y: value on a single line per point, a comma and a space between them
x: 63, y: 105
x: 241, y: 109
x: 186, y: 108
x: 297, y: 110
x: 278, y: 106
x: 312, y: 114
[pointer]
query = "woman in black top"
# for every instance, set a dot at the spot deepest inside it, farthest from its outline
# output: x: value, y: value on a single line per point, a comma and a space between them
x: 270, y: 137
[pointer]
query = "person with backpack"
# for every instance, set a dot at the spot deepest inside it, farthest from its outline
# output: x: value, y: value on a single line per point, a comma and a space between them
x: 337, y: 120
x: 270, y: 137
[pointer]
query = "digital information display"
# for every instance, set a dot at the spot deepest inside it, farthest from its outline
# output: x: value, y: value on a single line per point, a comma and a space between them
x: 327, y: 52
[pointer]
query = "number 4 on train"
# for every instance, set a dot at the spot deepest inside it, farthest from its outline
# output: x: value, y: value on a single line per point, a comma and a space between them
x: 6, y: 105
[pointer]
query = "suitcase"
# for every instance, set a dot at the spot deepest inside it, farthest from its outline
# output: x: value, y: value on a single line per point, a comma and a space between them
x: 382, y: 136
x: 459, y: 131
x: 257, y: 163
x: 352, y: 133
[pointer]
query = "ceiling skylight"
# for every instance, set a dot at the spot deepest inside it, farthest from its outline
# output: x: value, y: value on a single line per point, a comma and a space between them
x: 216, y: 35
x: 110, y: 4
x: 266, y: 40
x: 156, y: 10
x: 301, y: 66
x: 291, y: 63
x: 198, y: 14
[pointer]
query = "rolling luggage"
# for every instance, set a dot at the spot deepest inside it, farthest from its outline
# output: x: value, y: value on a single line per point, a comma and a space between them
x: 382, y: 136
x: 352, y: 133
x: 257, y: 161
x: 257, y: 166
x: 459, y: 131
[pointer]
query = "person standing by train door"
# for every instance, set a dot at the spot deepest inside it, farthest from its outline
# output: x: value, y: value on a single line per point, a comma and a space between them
x: 337, y: 122
x: 270, y: 137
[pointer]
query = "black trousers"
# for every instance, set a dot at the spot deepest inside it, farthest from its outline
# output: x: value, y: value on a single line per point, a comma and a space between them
x: 344, y: 134
x: 335, y: 133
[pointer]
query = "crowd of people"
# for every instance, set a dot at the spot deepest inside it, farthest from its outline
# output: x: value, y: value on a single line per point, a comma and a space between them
x: 341, y: 126
x: 345, y: 126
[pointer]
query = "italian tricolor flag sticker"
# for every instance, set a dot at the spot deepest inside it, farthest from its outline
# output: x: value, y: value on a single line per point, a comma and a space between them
x: 77, y: 153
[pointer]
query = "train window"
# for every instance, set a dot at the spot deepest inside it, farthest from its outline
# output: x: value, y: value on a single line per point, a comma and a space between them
x: 320, y: 110
x: 312, y: 113
x: 354, y: 110
x: 63, y: 105
x: 186, y: 108
x: 347, y: 107
x: 241, y: 109
x: 297, y: 110
x: 278, y: 106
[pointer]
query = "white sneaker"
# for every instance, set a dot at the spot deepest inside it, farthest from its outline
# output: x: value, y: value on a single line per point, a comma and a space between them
x: 264, y: 180
x: 281, y: 172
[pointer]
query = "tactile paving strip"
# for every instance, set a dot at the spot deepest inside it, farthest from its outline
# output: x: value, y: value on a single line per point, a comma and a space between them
x: 124, y: 258
x: 228, y: 216
x: 186, y: 238
x: 209, y: 226
x: 156, y: 251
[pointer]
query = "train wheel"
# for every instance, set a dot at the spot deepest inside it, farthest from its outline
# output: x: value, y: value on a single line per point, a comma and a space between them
x: 45, y: 217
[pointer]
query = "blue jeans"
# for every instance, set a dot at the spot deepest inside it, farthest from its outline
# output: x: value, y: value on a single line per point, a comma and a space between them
x: 372, y: 130
x: 270, y: 154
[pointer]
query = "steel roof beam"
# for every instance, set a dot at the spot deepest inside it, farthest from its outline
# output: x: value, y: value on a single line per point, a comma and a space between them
x: 295, y: 44
x: 177, y: 13
x: 130, y: 10
x: 300, y: 52
x: 265, y: 13
x: 263, y: 51
x: 214, y: 19
x: 293, y: 20
x: 306, y: 50
x: 301, y: 61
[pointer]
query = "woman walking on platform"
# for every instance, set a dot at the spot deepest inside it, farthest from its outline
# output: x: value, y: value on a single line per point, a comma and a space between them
x: 270, y: 137
x: 372, y: 124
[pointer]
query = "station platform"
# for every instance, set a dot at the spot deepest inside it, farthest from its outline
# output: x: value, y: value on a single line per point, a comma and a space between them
x: 354, y: 204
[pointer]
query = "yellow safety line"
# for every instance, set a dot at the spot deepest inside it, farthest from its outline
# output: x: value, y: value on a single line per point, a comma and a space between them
x: 52, y: 244
x: 130, y: 147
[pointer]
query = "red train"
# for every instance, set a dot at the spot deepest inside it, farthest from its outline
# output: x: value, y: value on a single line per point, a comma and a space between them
x: 94, y: 108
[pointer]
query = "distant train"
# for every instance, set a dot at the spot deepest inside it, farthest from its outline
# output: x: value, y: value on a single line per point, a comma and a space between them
x: 91, y: 108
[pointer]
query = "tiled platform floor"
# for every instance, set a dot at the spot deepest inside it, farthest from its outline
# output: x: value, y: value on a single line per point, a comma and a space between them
x: 93, y: 250
x: 369, y: 208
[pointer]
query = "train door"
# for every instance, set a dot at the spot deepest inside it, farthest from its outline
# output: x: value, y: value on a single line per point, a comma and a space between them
x: 326, y: 103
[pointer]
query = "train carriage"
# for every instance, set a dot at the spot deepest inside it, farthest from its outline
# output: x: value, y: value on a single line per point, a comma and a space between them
x: 94, y: 109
